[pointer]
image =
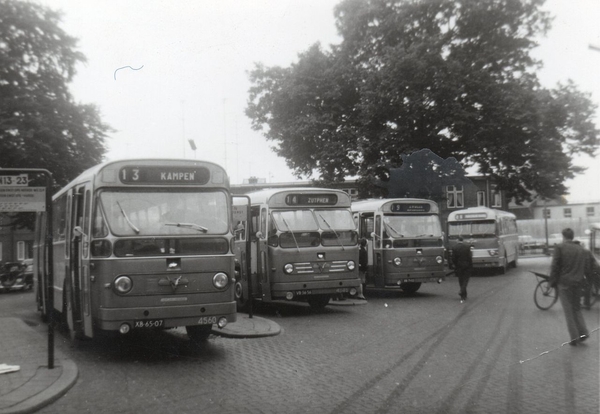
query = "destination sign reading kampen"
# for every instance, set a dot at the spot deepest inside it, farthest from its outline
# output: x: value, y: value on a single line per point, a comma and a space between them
x: 410, y: 208
x: 311, y: 199
x: 164, y: 175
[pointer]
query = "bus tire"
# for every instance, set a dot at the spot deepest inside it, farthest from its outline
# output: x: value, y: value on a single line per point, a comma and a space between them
x: 410, y: 287
x: 318, y: 302
x: 504, y: 268
x: 198, y: 334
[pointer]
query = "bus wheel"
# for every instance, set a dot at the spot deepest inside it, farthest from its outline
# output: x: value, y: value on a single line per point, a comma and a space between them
x: 198, y: 333
x: 504, y: 268
x: 410, y: 287
x: 318, y: 302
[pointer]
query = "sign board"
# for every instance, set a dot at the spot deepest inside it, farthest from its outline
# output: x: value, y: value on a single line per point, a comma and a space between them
x: 240, y: 213
x: 16, y: 197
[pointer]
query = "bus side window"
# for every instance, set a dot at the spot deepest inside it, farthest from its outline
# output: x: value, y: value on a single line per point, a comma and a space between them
x: 366, y: 227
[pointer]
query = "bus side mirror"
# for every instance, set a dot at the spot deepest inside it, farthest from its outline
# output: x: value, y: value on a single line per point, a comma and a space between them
x: 259, y: 235
x: 374, y: 235
x: 587, y: 232
x: 79, y: 232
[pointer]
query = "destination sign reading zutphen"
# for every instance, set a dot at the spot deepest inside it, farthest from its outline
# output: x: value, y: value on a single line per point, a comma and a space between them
x: 22, y: 199
x: 311, y: 199
x: 164, y: 175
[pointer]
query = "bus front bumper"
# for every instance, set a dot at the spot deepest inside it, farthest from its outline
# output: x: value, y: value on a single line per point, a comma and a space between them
x: 167, y: 317
x: 307, y: 288
x: 396, y: 279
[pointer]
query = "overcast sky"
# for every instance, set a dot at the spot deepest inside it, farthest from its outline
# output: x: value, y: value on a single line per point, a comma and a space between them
x: 191, y: 59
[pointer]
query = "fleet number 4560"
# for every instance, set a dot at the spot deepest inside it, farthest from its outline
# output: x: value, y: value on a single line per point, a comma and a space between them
x: 207, y: 320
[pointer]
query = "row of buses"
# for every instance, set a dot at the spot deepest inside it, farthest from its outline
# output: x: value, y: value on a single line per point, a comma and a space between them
x: 162, y: 243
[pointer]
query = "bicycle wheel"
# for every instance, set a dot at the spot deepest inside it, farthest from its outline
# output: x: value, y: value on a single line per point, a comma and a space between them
x: 544, y: 295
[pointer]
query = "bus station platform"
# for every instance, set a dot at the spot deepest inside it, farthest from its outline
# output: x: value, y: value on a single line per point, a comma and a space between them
x: 26, y: 383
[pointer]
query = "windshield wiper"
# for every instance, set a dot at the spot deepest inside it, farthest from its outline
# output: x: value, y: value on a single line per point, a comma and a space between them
x: 290, y: 230
x: 133, y: 227
x: 189, y: 226
x: 331, y: 228
x: 389, y: 226
x: 425, y: 235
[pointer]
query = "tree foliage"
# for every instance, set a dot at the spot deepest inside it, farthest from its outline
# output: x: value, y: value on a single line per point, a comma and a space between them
x: 40, y: 124
x: 453, y: 76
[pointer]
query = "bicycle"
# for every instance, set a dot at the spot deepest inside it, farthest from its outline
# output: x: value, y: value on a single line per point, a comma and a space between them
x: 545, y: 296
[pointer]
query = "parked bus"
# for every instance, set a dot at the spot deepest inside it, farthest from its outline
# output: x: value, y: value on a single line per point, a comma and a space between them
x: 141, y: 244
x: 303, y: 247
x: 492, y: 235
x: 405, y: 243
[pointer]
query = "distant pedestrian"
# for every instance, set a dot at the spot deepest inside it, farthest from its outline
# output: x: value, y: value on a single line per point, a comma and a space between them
x: 570, y: 263
x: 462, y: 260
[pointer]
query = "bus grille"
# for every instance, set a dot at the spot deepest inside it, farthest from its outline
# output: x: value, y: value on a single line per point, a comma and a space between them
x: 320, y: 267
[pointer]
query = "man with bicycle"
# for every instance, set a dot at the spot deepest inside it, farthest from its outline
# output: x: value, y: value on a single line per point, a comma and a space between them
x: 570, y: 263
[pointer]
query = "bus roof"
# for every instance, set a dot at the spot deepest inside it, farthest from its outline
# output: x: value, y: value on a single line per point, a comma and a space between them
x: 91, y: 173
x: 478, y: 213
x: 276, y: 197
x: 388, y: 205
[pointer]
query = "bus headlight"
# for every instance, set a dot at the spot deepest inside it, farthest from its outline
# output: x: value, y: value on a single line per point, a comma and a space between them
x: 351, y: 265
x: 220, y: 280
x: 493, y: 252
x: 288, y: 268
x: 397, y: 261
x: 439, y: 259
x: 123, y: 284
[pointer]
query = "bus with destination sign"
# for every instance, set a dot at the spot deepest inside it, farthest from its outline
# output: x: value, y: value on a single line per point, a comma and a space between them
x: 303, y: 247
x: 492, y: 235
x: 404, y: 242
x: 141, y: 244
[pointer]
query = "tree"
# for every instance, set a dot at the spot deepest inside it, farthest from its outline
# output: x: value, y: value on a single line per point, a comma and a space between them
x: 453, y: 76
x: 40, y: 124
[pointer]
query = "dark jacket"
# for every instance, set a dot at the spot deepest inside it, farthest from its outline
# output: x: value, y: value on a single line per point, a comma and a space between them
x: 462, y: 256
x: 570, y: 262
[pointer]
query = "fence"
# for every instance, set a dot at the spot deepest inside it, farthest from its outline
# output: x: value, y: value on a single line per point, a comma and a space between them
x: 536, y: 227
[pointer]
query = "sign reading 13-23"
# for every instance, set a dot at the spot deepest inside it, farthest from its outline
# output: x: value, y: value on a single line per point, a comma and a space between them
x: 16, y: 196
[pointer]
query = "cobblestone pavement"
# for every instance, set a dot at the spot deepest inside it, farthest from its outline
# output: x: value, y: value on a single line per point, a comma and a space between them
x: 422, y: 353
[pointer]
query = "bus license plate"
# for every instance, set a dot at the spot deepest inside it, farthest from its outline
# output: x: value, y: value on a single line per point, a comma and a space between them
x: 408, y: 280
x: 303, y: 292
x: 156, y: 323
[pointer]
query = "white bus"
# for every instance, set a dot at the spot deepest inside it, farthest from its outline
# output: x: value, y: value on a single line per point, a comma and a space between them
x: 492, y: 235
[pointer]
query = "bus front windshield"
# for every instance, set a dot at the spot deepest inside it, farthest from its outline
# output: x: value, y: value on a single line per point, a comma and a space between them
x: 160, y: 213
x: 486, y: 228
x: 416, y: 226
x: 300, y: 228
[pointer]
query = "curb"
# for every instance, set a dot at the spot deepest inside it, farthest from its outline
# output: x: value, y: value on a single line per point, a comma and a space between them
x: 59, y: 387
x: 246, y: 327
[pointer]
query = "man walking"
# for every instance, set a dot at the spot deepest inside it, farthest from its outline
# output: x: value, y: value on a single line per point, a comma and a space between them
x: 462, y: 259
x: 570, y: 262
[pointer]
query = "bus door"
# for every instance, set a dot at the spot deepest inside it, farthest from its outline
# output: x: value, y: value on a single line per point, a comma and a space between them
x: 242, y: 229
x: 365, y: 224
x: 378, y: 264
x: 78, y: 284
x: 259, y: 245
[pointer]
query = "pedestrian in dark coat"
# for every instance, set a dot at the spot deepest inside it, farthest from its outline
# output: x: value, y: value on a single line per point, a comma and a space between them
x: 462, y: 259
x: 570, y: 263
